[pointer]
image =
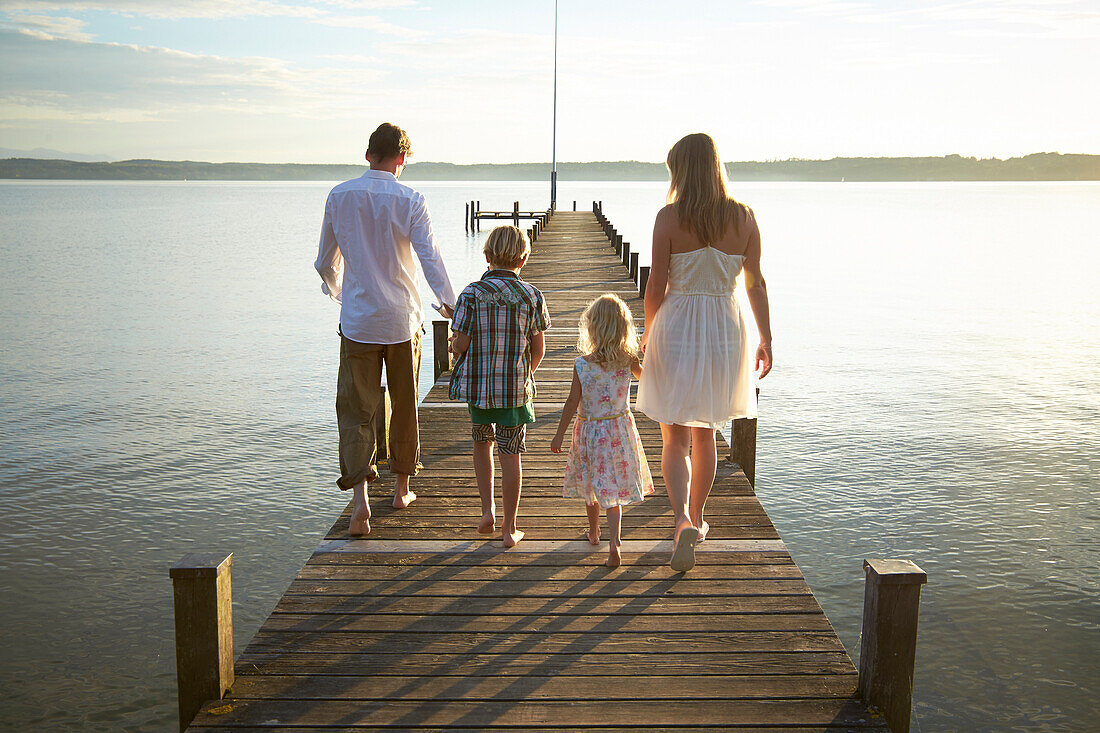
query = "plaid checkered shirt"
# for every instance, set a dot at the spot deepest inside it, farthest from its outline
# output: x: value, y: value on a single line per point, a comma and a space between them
x: 500, y: 313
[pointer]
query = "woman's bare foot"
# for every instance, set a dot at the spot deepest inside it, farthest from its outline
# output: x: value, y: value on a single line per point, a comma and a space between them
x: 402, y: 500
x: 704, y: 527
x: 359, y: 524
x: 683, y: 554
x: 488, y: 524
x: 614, y: 557
x: 511, y: 539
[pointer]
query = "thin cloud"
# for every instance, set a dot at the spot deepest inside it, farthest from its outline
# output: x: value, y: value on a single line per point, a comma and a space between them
x: 369, y: 23
x: 48, y: 26
x: 169, y: 9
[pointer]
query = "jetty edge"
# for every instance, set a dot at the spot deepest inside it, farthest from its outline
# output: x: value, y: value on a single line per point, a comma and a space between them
x: 426, y: 625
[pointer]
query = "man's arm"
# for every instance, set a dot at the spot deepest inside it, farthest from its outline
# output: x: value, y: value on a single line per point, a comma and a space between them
x: 330, y: 262
x: 431, y: 259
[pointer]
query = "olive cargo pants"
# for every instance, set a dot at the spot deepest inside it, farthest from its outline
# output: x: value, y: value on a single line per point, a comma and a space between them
x: 359, y: 397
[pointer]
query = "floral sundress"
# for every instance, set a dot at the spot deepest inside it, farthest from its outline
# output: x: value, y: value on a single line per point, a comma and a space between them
x: 606, y: 461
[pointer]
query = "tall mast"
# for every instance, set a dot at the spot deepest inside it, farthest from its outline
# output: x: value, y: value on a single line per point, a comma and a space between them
x: 554, y: 138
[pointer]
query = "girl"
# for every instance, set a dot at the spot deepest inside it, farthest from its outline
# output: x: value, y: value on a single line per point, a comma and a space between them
x: 606, y: 465
x: 698, y: 361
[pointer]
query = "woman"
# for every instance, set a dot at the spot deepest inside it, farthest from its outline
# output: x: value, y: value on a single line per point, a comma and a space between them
x: 699, y: 373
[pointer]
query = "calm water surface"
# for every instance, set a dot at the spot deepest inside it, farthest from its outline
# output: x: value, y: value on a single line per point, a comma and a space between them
x: 167, y: 377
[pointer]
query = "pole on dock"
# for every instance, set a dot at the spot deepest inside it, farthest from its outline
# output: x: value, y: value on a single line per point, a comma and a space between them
x: 643, y: 279
x: 382, y: 426
x: 624, y: 254
x: 554, y: 134
x: 888, y: 644
x: 618, y: 244
x: 203, y: 599
x: 477, y: 210
x: 515, y: 213
x: 743, y: 445
x: 634, y: 266
x: 441, y: 347
x: 467, y: 218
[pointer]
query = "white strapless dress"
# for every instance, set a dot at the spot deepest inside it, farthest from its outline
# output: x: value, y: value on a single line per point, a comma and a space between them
x: 698, y: 369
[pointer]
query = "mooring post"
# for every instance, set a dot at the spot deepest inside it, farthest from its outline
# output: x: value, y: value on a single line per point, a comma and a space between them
x: 743, y: 446
x: 888, y: 643
x: 624, y: 255
x: 643, y: 279
x: 441, y: 347
x: 618, y: 244
x: 467, y: 217
x: 634, y: 266
x: 477, y: 219
x: 515, y: 213
x: 203, y: 600
x: 382, y: 426
x: 574, y: 204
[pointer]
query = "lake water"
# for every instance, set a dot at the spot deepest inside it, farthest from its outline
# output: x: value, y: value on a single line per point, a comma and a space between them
x: 167, y: 374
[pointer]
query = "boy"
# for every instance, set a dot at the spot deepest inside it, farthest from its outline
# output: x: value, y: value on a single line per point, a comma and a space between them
x: 498, y: 343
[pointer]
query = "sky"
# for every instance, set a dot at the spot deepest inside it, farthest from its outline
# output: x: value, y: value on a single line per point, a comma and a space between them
x: 472, y: 80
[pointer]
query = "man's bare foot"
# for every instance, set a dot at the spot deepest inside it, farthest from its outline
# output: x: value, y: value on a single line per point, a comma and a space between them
x: 614, y: 557
x: 402, y: 500
x: 593, y: 535
x: 488, y: 524
x: 511, y: 539
x: 359, y: 524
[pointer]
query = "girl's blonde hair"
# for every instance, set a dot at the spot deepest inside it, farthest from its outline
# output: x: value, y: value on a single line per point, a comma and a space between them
x: 697, y: 186
x: 608, y: 335
x: 507, y: 246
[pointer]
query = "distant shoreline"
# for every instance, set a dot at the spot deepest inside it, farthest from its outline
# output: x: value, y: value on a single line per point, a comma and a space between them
x: 1035, y: 167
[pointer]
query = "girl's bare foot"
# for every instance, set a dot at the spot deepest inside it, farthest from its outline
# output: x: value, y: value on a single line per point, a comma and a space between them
x: 359, y: 524
x: 614, y: 557
x: 403, y: 499
x: 593, y: 512
x: 593, y: 535
x: 511, y: 539
x: 488, y: 524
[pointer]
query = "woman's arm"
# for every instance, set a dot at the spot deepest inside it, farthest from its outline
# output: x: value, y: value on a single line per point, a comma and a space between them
x: 538, y: 350
x: 658, y: 269
x: 758, y: 299
x: 567, y: 412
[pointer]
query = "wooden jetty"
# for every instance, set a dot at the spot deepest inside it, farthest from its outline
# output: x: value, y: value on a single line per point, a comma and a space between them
x: 426, y: 625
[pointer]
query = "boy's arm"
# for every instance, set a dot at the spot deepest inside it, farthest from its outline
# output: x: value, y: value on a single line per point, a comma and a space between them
x: 459, y: 343
x: 464, y: 319
x: 567, y: 412
x: 538, y: 350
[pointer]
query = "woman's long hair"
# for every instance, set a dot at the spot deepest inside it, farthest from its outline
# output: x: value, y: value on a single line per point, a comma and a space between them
x: 698, y: 189
x: 607, y: 333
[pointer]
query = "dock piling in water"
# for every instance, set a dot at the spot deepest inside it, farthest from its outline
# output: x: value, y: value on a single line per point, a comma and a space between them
x: 203, y: 599
x: 888, y: 643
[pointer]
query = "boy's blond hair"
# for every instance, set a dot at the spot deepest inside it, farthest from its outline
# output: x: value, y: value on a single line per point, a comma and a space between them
x: 608, y: 335
x: 506, y: 247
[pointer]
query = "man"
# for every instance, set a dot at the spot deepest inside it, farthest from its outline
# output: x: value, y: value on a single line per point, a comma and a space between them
x: 372, y: 227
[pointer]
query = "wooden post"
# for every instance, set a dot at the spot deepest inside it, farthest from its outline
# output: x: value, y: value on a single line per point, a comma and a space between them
x: 888, y: 644
x: 441, y: 334
x: 203, y: 600
x: 477, y: 220
x: 574, y: 204
x: 634, y: 266
x: 515, y: 213
x: 618, y: 244
x: 624, y: 255
x: 743, y: 446
x: 467, y: 217
x: 643, y: 279
x: 382, y: 426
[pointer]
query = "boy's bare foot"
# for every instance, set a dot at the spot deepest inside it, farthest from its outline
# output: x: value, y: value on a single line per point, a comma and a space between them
x: 614, y: 557
x: 359, y: 524
x: 402, y: 500
x: 593, y: 535
x: 511, y: 539
x: 488, y: 524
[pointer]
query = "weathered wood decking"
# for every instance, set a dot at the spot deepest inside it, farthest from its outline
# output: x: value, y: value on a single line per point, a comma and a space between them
x: 425, y: 625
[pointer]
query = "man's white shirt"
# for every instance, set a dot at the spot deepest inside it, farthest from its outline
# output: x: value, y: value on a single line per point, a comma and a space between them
x: 372, y: 226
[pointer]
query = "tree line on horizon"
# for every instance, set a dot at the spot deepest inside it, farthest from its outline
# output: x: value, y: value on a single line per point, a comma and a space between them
x: 1035, y: 167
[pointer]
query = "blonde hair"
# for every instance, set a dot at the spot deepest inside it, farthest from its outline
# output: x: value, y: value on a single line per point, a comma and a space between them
x: 697, y: 187
x: 607, y: 332
x: 507, y: 246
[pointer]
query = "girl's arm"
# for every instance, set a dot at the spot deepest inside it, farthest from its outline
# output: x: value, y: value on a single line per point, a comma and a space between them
x: 636, y: 368
x: 658, y: 271
x: 758, y: 299
x: 538, y: 350
x: 567, y: 412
